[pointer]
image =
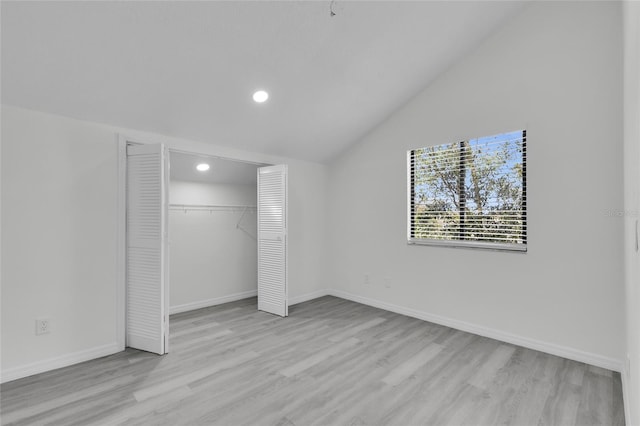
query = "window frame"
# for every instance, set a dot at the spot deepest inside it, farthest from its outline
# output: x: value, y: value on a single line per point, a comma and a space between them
x: 472, y: 244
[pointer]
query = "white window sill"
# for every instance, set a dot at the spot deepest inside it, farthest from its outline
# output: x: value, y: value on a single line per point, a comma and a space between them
x: 518, y: 248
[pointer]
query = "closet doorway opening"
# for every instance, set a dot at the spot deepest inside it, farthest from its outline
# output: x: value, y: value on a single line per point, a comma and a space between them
x: 213, y: 231
x: 177, y: 221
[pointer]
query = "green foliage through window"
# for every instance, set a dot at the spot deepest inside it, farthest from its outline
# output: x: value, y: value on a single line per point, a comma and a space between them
x: 471, y: 191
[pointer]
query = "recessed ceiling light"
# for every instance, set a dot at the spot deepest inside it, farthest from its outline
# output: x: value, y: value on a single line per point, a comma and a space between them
x: 260, y: 96
x: 202, y: 167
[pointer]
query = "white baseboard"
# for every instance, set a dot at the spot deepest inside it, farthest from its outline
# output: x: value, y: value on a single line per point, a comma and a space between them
x: 308, y: 296
x: 550, y: 348
x: 212, y: 302
x: 58, y: 362
x: 562, y: 351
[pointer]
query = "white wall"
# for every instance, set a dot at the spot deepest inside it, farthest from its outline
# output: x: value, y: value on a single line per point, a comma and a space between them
x: 59, y: 227
x: 631, y: 376
x: 58, y: 239
x: 554, y: 70
x: 211, y: 260
x: 183, y: 192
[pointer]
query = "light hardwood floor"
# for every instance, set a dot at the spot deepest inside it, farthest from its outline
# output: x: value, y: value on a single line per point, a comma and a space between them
x: 331, y: 362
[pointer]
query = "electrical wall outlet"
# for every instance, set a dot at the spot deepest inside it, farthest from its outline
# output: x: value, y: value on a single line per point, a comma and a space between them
x: 42, y: 326
x: 366, y: 279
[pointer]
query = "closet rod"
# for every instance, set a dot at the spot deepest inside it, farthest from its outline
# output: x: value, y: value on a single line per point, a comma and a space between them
x: 209, y: 206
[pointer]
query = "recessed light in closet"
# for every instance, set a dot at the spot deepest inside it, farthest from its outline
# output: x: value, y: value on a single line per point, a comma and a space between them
x: 260, y: 96
x: 202, y: 167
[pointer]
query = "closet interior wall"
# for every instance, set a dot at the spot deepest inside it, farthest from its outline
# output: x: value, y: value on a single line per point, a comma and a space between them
x: 213, y: 248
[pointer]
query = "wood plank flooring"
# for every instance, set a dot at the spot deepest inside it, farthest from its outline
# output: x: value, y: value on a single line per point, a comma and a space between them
x: 331, y: 362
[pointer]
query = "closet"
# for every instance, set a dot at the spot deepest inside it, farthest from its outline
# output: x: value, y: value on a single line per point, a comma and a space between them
x: 197, y: 231
x: 212, y: 231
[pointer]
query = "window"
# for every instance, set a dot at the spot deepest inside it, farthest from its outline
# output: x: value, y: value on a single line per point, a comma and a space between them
x: 471, y: 193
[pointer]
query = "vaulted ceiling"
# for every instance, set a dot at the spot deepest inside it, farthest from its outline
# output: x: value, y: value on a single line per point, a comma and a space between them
x: 189, y: 69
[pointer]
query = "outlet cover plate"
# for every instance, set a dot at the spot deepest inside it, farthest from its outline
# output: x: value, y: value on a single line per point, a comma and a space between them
x: 43, y: 326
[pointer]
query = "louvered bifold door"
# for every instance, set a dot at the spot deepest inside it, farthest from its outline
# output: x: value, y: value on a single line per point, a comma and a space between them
x: 147, y: 322
x: 272, y: 240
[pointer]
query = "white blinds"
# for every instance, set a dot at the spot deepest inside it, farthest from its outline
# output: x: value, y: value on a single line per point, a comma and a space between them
x: 470, y: 193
